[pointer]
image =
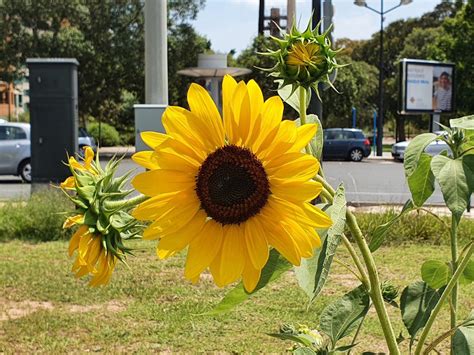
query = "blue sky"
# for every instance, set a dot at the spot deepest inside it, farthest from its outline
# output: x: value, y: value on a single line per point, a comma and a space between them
x: 231, y: 24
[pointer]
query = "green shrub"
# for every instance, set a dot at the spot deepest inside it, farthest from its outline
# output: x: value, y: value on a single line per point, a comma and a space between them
x: 108, y: 134
x: 414, y: 227
x: 38, y: 219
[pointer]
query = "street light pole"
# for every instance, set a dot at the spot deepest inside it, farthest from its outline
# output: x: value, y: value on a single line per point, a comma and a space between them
x: 380, y: 119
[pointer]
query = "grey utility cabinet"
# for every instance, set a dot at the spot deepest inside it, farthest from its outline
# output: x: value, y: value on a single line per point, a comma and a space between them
x: 53, y: 115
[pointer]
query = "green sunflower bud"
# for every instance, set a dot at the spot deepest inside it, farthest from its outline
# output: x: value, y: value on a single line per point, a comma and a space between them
x: 303, y: 58
x: 389, y: 291
x: 102, y: 215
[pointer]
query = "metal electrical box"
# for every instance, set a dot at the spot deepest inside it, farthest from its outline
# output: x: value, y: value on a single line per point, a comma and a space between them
x: 53, y: 115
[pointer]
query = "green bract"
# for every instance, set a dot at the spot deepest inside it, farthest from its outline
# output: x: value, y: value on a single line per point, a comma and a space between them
x: 303, y: 59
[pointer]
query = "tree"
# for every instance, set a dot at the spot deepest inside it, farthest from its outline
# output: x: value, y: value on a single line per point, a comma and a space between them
x: 456, y: 46
x: 357, y: 84
x: 107, y: 38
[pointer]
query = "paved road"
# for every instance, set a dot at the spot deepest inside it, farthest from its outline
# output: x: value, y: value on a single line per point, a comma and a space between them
x: 371, y: 181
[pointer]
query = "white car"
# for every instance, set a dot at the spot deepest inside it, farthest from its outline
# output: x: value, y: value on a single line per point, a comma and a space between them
x: 434, y: 148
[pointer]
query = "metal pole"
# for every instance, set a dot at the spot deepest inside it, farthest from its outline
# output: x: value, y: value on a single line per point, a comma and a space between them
x: 354, y: 117
x: 290, y: 14
x: 261, y: 15
x: 156, y: 53
x: 315, y: 105
x: 374, y: 140
x: 380, y: 118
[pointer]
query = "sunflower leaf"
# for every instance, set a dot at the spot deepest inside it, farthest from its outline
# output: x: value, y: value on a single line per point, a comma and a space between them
x: 291, y: 96
x: 378, y: 235
x: 466, y: 122
x: 313, y: 272
x: 273, y: 269
x: 463, y: 340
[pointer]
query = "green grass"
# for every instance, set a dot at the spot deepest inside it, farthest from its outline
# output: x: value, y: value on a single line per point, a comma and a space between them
x: 150, y: 307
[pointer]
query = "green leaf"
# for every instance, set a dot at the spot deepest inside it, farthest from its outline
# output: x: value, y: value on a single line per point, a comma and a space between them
x: 451, y: 178
x: 414, y: 151
x: 463, y: 340
x: 313, y: 272
x: 416, y: 304
x: 435, y: 273
x: 291, y: 97
x: 343, y: 316
x: 304, y: 351
x: 273, y: 269
x: 421, y: 181
x: 468, y: 166
x: 378, y: 236
x: 466, y: 122
x: 468, y: 273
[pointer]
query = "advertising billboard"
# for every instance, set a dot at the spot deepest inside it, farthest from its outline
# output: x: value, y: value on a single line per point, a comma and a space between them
x: 426, y: 87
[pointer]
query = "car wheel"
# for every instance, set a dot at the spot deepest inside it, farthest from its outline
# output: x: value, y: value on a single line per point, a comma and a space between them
x: 25, y: 170
x: 356, y: 154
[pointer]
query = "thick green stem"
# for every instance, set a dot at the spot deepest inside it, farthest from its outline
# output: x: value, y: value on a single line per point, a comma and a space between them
x: 375, y: 291
x: 303, y: 111
x: 454, y: 261
x: 363, y: 275
x: 127, y: 203
x: 449, y: 287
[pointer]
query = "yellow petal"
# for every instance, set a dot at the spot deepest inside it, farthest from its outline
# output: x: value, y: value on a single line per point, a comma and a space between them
x: 203, y: 249
x: 88, y: 157
x: 174, y: 242
x: 201, y: 104
x: 319, y: 217
x: 256, y: 243
x: 296, y: 191
x: 70, y: 221
x: 250, y: 277
x: 299, y: 236
x: 147, y: 159
x: 241, y: 112
x: 228, y: 88
x: 232, y: 254
x: 160, y: 181
x: 302, y: 168
x: 305, y: 134
x: 282, y: 142
x: 271, y: 115
x: 69, y: 183
x: 74, y: 242
x: 153, y: 139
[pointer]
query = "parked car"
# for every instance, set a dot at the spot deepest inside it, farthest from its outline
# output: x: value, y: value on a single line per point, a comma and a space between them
x: 345, y: 143
x: 15, y: 148
x: 434, y: 148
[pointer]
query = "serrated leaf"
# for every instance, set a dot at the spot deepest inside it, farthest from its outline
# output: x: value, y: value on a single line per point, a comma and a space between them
x: 435, y: 273
x: 414, y: 151
x: 273, y: 269
x: 453, y: 182
x: 416, y: 304
x: 466, y: 122
x: 378, y: 236
x: 316, y: 143
x: 343, y: 316
x: 463, y: 340
x: 313, y: 272
x: 421, y: 181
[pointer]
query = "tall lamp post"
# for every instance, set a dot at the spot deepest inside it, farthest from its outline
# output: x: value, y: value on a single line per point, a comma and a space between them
x: 380, y: 119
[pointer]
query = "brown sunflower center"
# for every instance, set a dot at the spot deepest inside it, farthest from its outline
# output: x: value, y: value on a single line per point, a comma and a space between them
x: 232, y: 185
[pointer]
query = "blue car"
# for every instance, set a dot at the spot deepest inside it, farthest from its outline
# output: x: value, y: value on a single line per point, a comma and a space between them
x: 345, y: 143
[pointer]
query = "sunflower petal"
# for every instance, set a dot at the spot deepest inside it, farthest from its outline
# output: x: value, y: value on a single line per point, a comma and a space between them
x: 147, y: 159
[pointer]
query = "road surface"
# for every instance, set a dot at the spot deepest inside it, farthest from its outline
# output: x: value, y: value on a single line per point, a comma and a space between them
x: 370, y: 181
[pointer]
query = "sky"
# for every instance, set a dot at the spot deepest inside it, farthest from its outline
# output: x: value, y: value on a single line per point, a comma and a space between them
x: 232, y: 24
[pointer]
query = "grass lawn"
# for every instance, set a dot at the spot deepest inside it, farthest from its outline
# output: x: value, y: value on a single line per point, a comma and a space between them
x: 152, y: 308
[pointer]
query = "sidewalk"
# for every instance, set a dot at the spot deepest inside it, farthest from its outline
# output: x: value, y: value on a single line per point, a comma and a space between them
x: 127, y: 152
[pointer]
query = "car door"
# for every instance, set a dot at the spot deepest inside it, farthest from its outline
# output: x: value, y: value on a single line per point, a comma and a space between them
x: 11, y: 148
x: 328, y: 151
x: 340, y: 144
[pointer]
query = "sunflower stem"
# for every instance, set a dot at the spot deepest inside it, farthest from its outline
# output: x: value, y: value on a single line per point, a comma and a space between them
x: 454, y: 257
x: 375, y: 291
x: 303, y: 112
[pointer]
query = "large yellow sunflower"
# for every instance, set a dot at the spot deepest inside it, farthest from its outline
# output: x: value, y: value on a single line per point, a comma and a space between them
x: 229, y: 189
